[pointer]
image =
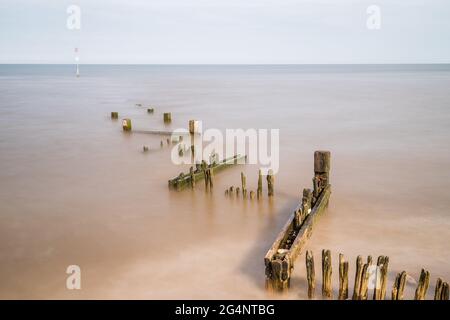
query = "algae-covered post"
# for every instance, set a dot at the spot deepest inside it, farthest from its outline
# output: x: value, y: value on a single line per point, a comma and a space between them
x: 191, y: 175
x: 167, y: 117
x: 270, y: 182
x: 114, y: 115
x: 259, y: 189
x: 321, y: 172
x: 292, y: 239
x: 180, y: 183
x: 126, y: 124
x: 244, y: 185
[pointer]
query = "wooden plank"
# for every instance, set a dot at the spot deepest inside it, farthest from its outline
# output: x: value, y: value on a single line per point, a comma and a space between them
x: 302, y: 236
x: 184, y: 180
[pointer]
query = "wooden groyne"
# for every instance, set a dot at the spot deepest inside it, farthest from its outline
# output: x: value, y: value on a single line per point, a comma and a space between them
x: 370, y: 281
x: 201, y: 171
x: 290, y: 242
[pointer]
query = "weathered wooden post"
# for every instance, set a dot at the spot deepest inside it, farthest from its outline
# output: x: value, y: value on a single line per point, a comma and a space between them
x: 126, y: 124
x: 270, y: 182
x: 310, y: 274
x: 441, y: 290
x: 303, y: 211
x: 210, y: 177
x: 294, y: 235
x: 399, y: 286
x: 167, y: 117
x: 343, y: 278
x: 381, y: 283
x: 194, y: 126
x: 161, y: 144
x: 252, y: 194
x: 278, y: 271
x: 259, y: 189
x: 207, y: 173
x: 244, y: 185
x: 422, y: 286
x: 445, y: 291
x: 326, y: 274
x: 144, y: 148
x: 191, y: 173
x: 363, y: 291
x: 321, y: 172
x: 438, y: 289
x: 358, y: 275
x: 150, y: 110
x: 114, y: 115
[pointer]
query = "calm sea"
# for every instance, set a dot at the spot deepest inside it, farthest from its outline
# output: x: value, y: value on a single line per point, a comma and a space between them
x: 76, y: 190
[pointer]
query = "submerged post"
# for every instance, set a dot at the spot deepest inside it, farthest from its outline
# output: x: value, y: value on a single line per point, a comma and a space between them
x: 126, y: 124
x: 326, y: 274
x: 244, y: 185
x: 399, y: 286
x: 358, y: 275
x: 422, y: 286
x: 321, y: 172
x: 310, y: 274
x: 167, y: 117
x: 270, y: 181
x: 259, y: 189
x: 441, y: 290
x: 192, y: 176
x: 364, y: 290
x: 381, y: 283
x: 193, y: 126
x: 343, y: 278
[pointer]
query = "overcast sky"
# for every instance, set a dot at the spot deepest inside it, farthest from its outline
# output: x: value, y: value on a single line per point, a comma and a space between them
x: 225, y: 31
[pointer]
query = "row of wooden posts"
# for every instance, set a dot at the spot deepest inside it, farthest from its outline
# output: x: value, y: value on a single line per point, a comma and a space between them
x: 291, y: 241
x: 270, y: 186
x: 204, y: 171
x: 126, y: 123
x: 362, y: 277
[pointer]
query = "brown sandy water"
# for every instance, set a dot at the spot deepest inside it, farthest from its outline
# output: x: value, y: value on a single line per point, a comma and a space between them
x: 74, y: 189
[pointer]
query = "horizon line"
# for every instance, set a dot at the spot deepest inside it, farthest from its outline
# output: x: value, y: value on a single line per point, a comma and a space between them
x: 235, y: 64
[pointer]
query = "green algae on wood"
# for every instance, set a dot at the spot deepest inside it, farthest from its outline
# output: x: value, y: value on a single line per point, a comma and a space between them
x: 183, y: 181
x: 126, y: 124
